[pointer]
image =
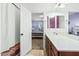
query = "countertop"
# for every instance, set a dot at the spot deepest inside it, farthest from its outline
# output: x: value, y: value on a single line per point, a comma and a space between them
x: 63, y: 42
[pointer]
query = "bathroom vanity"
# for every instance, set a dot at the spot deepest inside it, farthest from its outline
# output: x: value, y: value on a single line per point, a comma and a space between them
x: 60, y: 45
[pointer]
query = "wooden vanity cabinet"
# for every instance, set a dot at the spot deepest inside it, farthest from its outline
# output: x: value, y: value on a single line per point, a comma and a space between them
x: 47, y: 46
x: 52, y: 51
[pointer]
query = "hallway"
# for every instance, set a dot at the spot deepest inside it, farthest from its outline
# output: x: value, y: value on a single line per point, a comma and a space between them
x: 37, y: 48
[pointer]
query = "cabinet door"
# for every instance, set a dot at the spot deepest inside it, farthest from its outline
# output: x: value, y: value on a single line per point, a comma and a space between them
x: 54, y: 50
x: 46, y: 45
x: 49, y: 47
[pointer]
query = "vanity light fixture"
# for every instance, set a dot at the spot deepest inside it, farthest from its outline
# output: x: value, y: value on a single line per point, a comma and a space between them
x: 60, y: 5
x: 41, y: 16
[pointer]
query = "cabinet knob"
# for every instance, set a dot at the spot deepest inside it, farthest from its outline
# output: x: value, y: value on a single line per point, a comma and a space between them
x: 51, y: 48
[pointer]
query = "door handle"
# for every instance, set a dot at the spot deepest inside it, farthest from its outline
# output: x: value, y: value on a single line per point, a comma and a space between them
x: 22, y: 34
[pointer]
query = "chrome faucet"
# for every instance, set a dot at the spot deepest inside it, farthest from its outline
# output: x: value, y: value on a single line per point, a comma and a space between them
x: 55, y: 33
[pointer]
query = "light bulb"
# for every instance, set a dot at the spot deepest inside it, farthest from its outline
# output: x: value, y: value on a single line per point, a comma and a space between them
x: 61, y: 6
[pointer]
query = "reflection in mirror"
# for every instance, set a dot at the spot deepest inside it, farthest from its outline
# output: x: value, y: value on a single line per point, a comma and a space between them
x: 61, y: 22
x: 56, y: 22
x: 52, y: 22
x: 74, y: 23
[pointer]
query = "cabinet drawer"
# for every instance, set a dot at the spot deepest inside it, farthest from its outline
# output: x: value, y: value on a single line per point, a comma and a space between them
x: 55, y: 52
x: 53, y: 49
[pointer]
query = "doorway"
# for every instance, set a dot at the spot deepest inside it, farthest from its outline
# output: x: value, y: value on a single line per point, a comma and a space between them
x: 37, y: 31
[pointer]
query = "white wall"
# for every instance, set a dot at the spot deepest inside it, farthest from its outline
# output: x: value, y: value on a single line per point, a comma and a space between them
x: 13, y: 25
x: 17, y: 25
x: 0, y: 27
x: 37, y: 16
x: 4, y: 40
x: 9, y: 26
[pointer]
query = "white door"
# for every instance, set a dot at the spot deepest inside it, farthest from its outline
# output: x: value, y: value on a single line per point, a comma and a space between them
x: 0, y: 29
x: 25, y: 39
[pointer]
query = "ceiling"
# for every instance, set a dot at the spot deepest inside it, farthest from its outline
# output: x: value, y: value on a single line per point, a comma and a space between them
x: 45, y: 7
x: 37, y: 16
x: 39, y: 7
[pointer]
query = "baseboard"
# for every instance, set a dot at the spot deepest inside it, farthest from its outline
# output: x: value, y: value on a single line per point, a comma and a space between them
x: 28, y: 52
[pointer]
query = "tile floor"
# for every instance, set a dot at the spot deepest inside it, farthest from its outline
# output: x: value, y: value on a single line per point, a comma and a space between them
x: 37, y: 48
x: 35, y: 52
x: 37, y: 43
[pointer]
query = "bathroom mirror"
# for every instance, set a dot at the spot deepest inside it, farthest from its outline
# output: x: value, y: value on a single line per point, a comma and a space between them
x: 57, y: 21
x: 73, y: 23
